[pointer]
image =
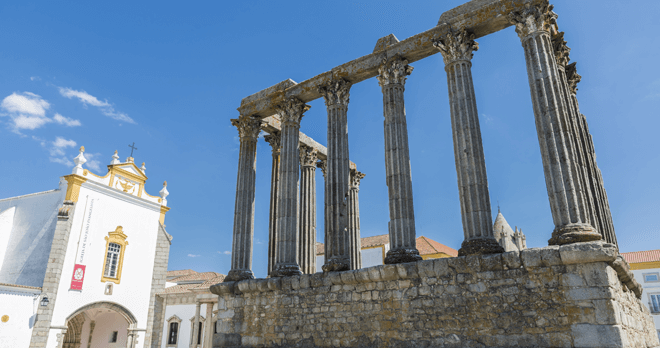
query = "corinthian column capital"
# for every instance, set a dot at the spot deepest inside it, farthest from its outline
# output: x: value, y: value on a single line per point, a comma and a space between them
x: 561, y: 50
x: 456, y: 45
x: 248, y: 127
x: 336, y: 92
x: 275, y: 141
x: 291, y: 111
x: 393, y: 71
x: 356, y: 176
x: 573, y: 77
x: 308, y: 156
x: 533, y: 18
x: 323, y: 165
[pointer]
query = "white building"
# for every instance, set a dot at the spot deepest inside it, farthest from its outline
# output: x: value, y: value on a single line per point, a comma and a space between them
x: 374, y: 249
x: 81, y: 264
x: 188, y: 300
x: 509, y: 239
x: 645, y: 265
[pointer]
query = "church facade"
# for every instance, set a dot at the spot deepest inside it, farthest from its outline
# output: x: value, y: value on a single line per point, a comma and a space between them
x: 83, y: 263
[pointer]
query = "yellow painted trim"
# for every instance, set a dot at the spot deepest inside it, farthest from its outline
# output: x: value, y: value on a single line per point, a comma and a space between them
x: 163, y: 211
x: 118, y: 237
x: 434, y: 256
x: 128, y: 175
x: 644, y: 265
x: 73, y: 188
x: 85, y: 172
x: 118, y: 168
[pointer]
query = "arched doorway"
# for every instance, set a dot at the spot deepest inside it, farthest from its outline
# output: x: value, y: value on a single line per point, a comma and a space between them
x: 100, y: 324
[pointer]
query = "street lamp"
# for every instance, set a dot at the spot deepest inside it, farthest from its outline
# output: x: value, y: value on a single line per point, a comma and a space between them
x: 44, y: 301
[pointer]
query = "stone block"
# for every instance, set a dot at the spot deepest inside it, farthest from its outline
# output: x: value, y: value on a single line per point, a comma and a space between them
x: 274, y: 284
x: 388, y: 272
x: 587, y: 252
x: 252, y: 283
x: 492, y: 262
x: 348, y: 277
x: 243, y: 286
x: 334, y: 278
x: 262, y: 285
x: 589, y: 293
x: 226, y: 340
x: 408, y: 270
x: 425, y: 269
x: 305, y: 281
x: 441, y: 267
x: 458, y: 264
x: 362, y: 275
x: 316, y: 280
x: 473, y: 263
x: 605, y: 336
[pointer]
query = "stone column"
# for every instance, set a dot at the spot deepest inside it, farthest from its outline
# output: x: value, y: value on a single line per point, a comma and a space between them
x: 195, y: 329
x: 354, y: 219
x: 457, y: 48
x: 323, y: 165
x: 337, y: 240
x: 241, y: 253
x: 291, y: 113
x: 208, y: 326
x: 603, y: 216
x: 392, y: 79
x: 552, y: 125
x: 307, y: 237
x: 129, y: 338
x: 92, y: 325
x: 274, y: 141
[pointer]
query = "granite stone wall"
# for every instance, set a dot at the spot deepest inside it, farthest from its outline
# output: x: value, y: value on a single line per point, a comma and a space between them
x: 578, y: 295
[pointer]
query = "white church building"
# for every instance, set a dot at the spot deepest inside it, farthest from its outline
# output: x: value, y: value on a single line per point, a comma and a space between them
x: 80, y: 266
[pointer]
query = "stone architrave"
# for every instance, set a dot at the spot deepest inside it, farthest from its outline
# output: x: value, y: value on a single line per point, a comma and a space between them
x: 337, y: 241
x: 392, y: 79
x: 307, y: 236
x: 457, y: 48
x: 354, y: 219
x: 241, y: 252
x: 533, y: 25
x: 596, y: 187
x: 291, y: 113
x: 274, y: 141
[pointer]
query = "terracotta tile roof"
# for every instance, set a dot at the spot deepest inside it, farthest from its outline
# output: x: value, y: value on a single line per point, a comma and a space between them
x: 179, y: 273
x: 20, y: 286
x: 642, y: 256
x: 425, y: 245
x: 196, y: 277
x: 177, y: 289
x: 207, y: 284
x: 428, y: 246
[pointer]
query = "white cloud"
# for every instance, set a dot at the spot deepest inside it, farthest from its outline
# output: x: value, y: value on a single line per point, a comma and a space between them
x: 69, y: 122
x: 88, y: 99
x: 29, y: 122
x: 25, y: 103
x: 62, y: 160
x: 91, y: 162
x: 35, y: 78
x: 59, y: 146
x: 226, y: 252
x: 193, y: 255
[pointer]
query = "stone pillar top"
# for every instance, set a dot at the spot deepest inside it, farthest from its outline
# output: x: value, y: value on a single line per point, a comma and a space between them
x: 322, y: 164
x: 356, y: 176
x: 456, y: 45
x: 561, y: 50
x: 336, y: 92
x: 275, y: 141
x: 533, y: 18
x: 248, y: 126
x: 573, y: 77
x: 393, y: 71
x: 292, y: 111
x: 308, y: 156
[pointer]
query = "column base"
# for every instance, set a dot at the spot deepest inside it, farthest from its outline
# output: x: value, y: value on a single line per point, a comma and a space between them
x: 480, y: 246
x: 286, y: 270
x: 238, y: 274
x: 336, y: 265
x: 574, y: 233
x: 402, y: 255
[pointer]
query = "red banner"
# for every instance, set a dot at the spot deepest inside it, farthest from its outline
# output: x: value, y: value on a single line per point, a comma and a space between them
x: 78, y: 277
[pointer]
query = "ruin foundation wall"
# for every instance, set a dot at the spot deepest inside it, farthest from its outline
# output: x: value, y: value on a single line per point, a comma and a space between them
x: 579, y: 295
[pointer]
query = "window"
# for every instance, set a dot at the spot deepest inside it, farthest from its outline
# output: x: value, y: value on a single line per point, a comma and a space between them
x: 654, y: 304
x: 115, y: 249
x: 196, y: 339
x: 113, y: 337
x: 651, y: 277
x: 199, y: 334
x: 174, y: 332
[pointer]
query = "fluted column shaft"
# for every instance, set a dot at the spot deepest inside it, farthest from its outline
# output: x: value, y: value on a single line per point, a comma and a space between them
x: 603, y: 216
x: 553, y: 126
x: 307, y: 237
x: 241, y: 255
x: 354, y: 220
x: 291, y: 113
x: 274, y: 141
x: 208, y: 325
x: 337, y: 240
x: 457, y: 48
x: 392, y: 78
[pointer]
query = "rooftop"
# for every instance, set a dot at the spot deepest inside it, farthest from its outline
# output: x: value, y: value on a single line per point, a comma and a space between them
x: 425, y: 245
x: 642, y: 256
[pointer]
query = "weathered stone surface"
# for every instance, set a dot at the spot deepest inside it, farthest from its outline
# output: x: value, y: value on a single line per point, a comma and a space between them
x: 476, y: 301
x: 587, y: 252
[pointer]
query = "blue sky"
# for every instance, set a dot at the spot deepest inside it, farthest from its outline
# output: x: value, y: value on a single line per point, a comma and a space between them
x: 169, y: 77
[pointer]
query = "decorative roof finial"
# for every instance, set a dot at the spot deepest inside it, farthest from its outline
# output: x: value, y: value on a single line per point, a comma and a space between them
x: 164, y: 193
x: 143, y: 169
x: 79, y: 161
x: 115, y: 158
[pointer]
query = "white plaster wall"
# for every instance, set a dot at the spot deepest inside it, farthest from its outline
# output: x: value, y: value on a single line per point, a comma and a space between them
x: 372, y: 257
x: 649, y: 288
x: 32, y: 228
x: 139, y: 220
x: 106, y: 323
x: 320, y: 260
x: 21, y: 309
x: 185, y: 312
